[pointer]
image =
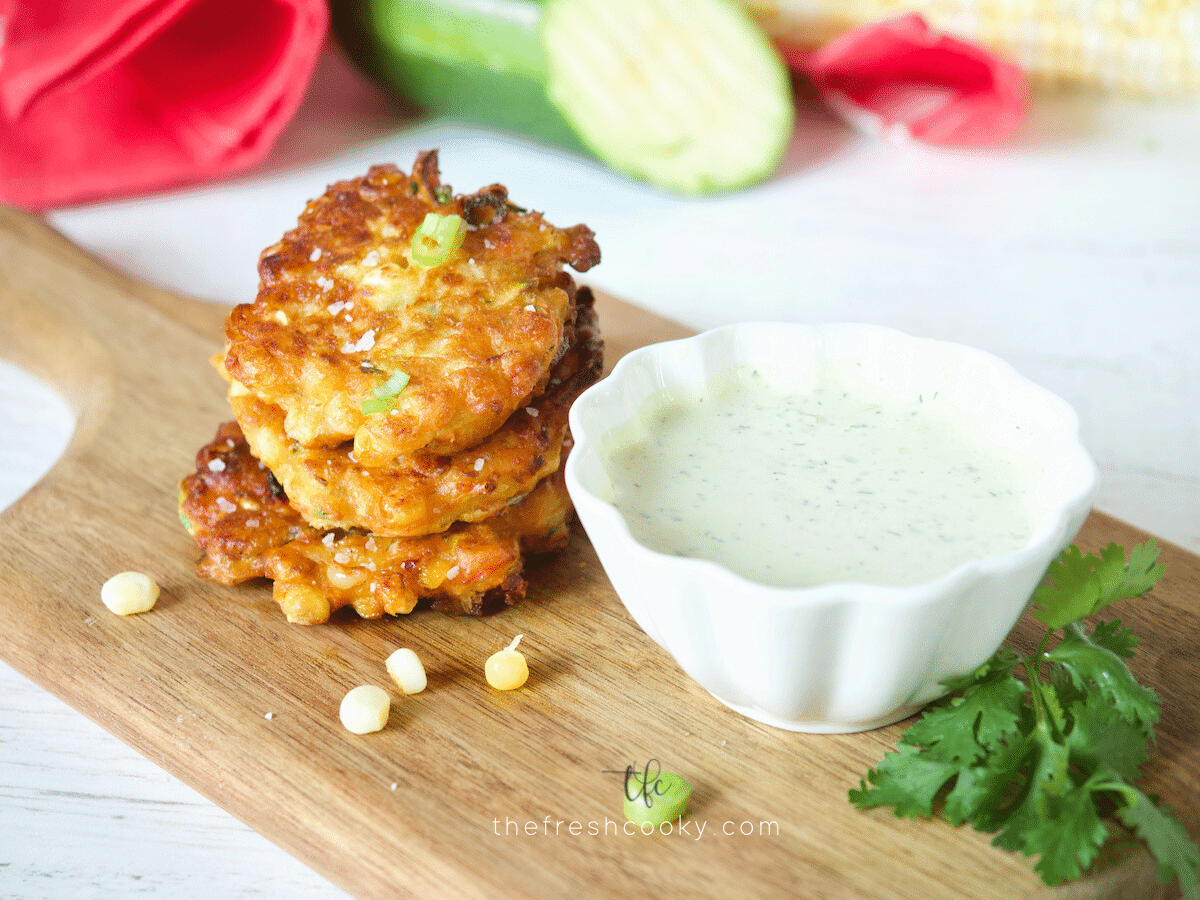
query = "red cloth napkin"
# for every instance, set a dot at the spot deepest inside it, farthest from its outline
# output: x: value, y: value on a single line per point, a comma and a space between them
x: 100, y: 98
x: 902, y: 79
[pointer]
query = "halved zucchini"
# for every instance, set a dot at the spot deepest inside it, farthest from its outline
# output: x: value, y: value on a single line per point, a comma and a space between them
x: 689, y: 95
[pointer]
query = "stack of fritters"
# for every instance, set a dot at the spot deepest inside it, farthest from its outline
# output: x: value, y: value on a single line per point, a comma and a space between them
x: 349, y: 493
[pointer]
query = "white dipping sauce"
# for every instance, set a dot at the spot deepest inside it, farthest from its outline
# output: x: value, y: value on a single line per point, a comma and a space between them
x: 798, y: 489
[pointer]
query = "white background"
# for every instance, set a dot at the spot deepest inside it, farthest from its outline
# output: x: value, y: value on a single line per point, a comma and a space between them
x: 1073, y: 252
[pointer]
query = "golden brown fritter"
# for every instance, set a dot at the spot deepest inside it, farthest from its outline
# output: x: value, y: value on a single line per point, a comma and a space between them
x: 341, y: 306
x: 242, y: 521
x: 467, y: 570
x: 234, y: 509
x: 424, y: 493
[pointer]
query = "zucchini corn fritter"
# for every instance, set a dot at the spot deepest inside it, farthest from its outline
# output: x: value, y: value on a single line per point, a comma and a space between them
x: 401, y: 424
x: 467, y: 569
x: 342, y: 305
x: 426, y: 492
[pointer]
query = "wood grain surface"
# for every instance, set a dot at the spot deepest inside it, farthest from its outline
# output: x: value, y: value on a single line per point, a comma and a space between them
x: 468, y: 792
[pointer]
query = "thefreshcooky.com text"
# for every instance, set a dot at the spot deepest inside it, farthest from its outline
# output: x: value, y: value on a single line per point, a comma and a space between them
x: 679, y: 828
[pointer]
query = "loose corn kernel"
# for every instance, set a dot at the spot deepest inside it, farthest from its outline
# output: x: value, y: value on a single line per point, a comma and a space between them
x: 506, y: 670
x: 365, y: 709
x: 406, y: 670
x: 129, y: 592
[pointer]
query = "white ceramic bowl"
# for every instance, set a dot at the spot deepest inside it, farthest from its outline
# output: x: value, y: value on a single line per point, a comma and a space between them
x: 842, y: 656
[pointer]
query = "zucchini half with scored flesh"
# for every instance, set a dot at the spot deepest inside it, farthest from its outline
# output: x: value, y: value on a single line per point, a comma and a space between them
x: 689, y: 95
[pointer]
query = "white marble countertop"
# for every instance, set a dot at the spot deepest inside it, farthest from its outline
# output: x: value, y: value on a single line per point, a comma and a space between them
x: 1073, y: 252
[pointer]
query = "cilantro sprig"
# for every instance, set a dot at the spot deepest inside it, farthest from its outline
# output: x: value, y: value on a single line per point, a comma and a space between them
x: 1039, y: 761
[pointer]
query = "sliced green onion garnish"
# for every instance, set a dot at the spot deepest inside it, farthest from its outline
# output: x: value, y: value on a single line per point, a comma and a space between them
x: 394, y: 385
x: 656, y: 798
x: 437, y: 239
x: 373, y: 405
x: 383, y: 396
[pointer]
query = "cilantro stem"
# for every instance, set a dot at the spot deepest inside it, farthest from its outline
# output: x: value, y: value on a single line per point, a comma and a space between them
x: 1128, y: 792
x: 1033, y: 674
x: 1041, y: 650
x: 1043, y: 713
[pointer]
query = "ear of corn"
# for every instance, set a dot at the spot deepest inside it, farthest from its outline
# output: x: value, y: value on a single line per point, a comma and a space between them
x: 1134, y: 47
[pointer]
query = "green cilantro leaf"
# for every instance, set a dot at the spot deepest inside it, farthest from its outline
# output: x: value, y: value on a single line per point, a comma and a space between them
x: 1167, y: 839
x: 1112, y: 636
x: 960, y: 729
x: 1068, y: 591
x: 1003, y: 660
x: 1076, y: 585
x: 1029, y: 761
x: 1101, y: 736
x: 1068, y: 837
x: 1065, y: 691
x: 986, y: 795
x: 1045, y: 781
x: 1138, y: 577
x: 907, y: 780
x: 1089, y: 664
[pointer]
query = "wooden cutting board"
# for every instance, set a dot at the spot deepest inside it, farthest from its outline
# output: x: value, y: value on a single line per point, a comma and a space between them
x: 468, y: 792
